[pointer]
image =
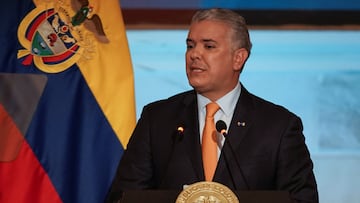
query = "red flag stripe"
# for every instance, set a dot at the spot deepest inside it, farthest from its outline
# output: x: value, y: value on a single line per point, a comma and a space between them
x: 23, y: 179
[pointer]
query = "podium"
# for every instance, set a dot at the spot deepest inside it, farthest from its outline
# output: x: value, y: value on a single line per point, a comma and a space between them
x: 169, y: 196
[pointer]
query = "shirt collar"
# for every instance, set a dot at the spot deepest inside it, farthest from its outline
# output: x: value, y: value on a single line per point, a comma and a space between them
x: 227, y: 103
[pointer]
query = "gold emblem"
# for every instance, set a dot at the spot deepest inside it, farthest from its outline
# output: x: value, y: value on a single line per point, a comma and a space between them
x: 207, y: 192
x: 56, y: 34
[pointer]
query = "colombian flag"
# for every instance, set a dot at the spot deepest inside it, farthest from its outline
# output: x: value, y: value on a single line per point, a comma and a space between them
x: 67, y: 104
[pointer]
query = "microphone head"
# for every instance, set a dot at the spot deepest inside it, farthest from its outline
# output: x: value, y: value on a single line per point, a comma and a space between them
x: 180, y: 129
x: 221, y: 127
x: 179, y: 133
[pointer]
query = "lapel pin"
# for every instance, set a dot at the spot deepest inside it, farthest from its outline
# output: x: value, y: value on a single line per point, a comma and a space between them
x: 242, y: 124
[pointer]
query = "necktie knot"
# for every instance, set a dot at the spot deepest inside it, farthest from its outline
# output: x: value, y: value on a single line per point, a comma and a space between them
x: 211, y: 109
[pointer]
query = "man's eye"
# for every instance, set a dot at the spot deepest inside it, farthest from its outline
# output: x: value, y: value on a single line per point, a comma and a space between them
x: 189, y: 46
x: 209, y: 46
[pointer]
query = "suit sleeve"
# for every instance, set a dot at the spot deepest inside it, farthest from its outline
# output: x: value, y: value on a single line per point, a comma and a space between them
x: 295, y: 168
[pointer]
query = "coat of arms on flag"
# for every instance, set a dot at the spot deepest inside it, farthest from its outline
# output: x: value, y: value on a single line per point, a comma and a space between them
x: 56, y: 34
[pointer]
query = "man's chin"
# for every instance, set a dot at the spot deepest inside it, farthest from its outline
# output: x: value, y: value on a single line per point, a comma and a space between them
x: 199, y: 89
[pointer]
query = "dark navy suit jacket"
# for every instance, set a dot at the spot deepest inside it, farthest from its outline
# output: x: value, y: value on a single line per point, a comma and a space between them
x: 265, y: 149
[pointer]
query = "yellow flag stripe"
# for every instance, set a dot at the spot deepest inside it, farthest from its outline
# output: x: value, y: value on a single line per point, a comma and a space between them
x: 109, y: 72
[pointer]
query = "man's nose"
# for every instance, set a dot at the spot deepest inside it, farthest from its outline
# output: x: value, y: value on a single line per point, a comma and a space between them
x: 195, y: 53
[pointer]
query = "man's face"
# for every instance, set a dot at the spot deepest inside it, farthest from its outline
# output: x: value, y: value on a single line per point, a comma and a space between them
x: 212, y: 63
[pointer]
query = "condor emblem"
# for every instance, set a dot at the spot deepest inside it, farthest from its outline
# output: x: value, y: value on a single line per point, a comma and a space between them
x: 57, y: 34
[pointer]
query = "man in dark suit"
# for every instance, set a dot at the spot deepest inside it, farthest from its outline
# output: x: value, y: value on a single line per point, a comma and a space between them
x: 265, y: 148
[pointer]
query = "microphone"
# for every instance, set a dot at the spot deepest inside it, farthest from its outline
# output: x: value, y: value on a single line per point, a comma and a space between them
x: 222, y: 129
x: 180, y: 132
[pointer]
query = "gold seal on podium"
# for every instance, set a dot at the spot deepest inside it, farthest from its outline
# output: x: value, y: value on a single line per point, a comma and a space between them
x: 207, y: 192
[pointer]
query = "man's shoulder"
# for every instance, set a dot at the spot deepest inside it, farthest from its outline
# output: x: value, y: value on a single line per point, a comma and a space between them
x: 183, y: 98
x: 269, y: 107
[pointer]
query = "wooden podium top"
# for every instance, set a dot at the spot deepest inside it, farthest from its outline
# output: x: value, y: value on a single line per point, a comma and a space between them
x: 169, y: 196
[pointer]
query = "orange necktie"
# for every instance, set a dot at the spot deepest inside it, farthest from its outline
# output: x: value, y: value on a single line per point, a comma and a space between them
x: 209, y: 142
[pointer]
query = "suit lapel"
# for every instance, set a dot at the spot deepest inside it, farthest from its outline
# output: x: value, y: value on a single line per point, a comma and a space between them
x: 242, y: 119
x: 227, y: 171
x: 191, y: 134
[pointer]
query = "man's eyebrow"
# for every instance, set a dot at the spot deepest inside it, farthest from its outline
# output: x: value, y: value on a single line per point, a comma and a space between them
x: 189, y: 40
x: 208, y: 40
x: 203, y: 40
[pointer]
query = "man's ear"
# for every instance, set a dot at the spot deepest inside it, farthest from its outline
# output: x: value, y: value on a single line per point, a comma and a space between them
x: 240, y: 57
